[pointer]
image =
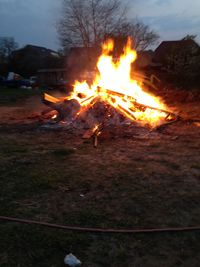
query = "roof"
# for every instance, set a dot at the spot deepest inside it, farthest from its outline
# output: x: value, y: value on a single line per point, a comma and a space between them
x: 40, y: 49
x: 167, y: 47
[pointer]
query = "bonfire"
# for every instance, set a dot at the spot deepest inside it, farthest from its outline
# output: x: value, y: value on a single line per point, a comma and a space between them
x: 118, y: 91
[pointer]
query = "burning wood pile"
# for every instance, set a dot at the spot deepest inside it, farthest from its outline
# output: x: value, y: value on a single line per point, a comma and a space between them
x: 113, y: 99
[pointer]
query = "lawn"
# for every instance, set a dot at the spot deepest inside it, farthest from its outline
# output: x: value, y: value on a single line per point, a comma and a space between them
x: 9, y: 96
x: 139, y: 181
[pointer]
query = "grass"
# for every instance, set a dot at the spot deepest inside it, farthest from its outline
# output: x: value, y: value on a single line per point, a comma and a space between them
x: 125, y: 183
x: 62, y: 152
x: 46, y: 180
x: 9, y: 96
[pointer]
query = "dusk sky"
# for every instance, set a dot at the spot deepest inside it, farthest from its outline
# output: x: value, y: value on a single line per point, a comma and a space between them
x: 33, y: 22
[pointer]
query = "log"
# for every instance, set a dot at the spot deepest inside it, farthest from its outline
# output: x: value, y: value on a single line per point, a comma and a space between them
x: 128, y: 113
x: 162, y: 126
x: 99, y: 89
x: 139, y: 105
x: 88, y: 100
x: 95, y: 140
x: 50, y: 99
x: 136, y: 104
x: 66, y: 109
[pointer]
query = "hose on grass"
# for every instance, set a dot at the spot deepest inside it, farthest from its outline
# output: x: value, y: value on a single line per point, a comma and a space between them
x: 101, y: 230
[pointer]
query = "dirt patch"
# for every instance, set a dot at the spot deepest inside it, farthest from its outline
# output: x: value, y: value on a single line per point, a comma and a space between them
x: 22, y: 112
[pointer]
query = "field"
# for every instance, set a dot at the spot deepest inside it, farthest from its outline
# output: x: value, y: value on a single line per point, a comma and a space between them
x: 150, y: 180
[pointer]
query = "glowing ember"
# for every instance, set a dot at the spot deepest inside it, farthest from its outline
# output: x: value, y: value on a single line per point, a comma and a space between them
x: 114, y: 85
x: 54, y: 116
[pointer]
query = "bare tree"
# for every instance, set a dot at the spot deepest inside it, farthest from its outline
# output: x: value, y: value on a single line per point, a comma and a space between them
x: 190, y: 37
x: 7, y: 46
x: 141, y: 34
x: 87, y: 22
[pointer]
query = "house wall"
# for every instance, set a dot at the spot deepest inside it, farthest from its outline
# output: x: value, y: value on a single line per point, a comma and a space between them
x: 51, y: 77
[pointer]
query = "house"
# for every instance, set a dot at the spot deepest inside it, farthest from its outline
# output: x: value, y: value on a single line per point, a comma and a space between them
x: 37, y: 50
x: 177, y: 54
x: 144, y: 60
x: 52, y: 77
x: 30, y: 58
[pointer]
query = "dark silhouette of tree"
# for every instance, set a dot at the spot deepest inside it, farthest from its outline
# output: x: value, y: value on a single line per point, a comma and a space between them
x: 7, y: 46
x: 86, y: 22
x: 140, y: 33
x: 190, y: 37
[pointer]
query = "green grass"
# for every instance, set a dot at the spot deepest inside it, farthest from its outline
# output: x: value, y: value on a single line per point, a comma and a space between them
x: 9, y: 96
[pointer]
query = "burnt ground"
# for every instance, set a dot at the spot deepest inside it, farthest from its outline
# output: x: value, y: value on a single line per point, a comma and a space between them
x: 144, y: 180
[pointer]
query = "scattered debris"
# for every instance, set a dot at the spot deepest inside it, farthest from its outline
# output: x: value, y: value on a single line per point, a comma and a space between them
x: 71, y: 260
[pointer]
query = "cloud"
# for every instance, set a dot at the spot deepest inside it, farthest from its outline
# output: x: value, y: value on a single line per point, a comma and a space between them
x: 30, y: 21
x: 166, y: 7
x: 171, y: 19
x: 161, y: 2
x: 174, y: 27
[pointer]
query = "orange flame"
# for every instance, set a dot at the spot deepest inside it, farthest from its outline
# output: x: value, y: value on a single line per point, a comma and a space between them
x: 114, y: 85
